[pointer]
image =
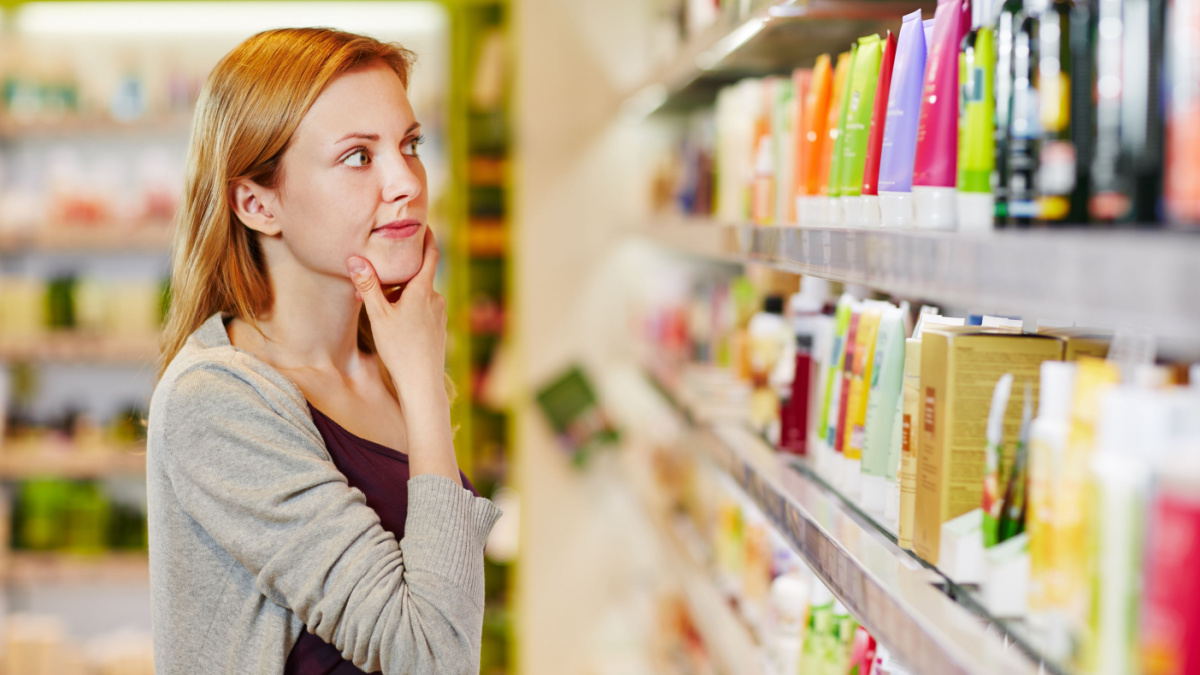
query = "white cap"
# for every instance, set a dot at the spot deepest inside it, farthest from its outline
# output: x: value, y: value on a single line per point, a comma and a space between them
x: 818, y: 211
x: 870, y: 211
x: 895, y: 209
x: 835, y: 216
x: 1057, y: 390
x: 1120, y: 429
x: 976, y: 211
x: 820, y: 595
x: 935, y: 208
x: 812, y: 296
x: 853, y: 210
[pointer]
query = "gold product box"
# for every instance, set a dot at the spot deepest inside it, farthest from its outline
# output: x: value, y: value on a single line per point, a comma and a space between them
x: 1080, y: 342
x: 959, y: 370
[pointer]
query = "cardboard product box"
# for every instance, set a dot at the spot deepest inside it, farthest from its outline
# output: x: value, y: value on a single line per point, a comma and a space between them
x: 1079, y: 342
x: 959, y: 370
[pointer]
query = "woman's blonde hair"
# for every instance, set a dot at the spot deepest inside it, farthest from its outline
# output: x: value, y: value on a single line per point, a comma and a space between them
x: 249, y: 108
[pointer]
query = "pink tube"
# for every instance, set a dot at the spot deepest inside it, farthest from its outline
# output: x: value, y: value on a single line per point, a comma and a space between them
x: 936, y: 163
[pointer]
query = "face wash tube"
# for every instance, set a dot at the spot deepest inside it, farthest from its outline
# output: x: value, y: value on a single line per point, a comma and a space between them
x: 833, y: 217
x: 887, y: 373
x: 860, y: 106
x: 936, y: 163
x: 900, y: 132
x: 870, y: 181
x: 814, y: 136
x: 977, y: 125
x: 820, y: 203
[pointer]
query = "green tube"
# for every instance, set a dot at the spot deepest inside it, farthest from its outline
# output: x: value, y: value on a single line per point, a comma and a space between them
x: 977, y: 129
x: 864, y: 79
x: 835, y: 168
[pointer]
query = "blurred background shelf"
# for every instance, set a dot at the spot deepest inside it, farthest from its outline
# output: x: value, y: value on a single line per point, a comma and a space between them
x: 1111, y: 278
x: 23, y: 568
x: 77, y: 347
x: 76, y: 125
x: 25, y: 459
x: 770, y: 40
x: 150, y: 238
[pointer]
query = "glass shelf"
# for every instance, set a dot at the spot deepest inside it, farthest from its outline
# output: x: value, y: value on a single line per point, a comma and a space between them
x: 934, y: 625
x: 1142, y: 280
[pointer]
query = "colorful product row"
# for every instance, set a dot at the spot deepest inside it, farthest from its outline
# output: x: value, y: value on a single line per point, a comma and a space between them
x: 990, y: 114
x: 1060, y: 487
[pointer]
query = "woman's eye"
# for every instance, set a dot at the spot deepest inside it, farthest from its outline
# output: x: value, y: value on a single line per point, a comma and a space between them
x: 411, y: 147
x: 357, y: 158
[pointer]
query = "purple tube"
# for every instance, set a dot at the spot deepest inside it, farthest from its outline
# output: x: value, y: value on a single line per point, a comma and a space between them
x: 936, y: 162
x: 903, y: 108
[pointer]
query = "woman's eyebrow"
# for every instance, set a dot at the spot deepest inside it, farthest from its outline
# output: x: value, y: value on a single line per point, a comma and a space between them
x: 373, y: 137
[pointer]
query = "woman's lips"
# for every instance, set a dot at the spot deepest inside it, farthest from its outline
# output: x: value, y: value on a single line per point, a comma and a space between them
x: 400, y: 229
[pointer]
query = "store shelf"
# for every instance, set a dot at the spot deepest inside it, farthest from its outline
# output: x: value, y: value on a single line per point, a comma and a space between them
x: 890, y: 592
x: 25, y: 459
x: 79, y: 125
x: 75, y: 347
x: 21, y: 568
x: 773, y: 39
x: 1148, y: 281
x: 152, y: 238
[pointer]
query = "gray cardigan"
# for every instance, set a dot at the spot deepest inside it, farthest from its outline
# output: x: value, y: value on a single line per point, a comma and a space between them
x: 255, y: 535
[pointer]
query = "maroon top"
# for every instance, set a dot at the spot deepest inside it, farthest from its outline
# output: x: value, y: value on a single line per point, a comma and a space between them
x: 381, y: 473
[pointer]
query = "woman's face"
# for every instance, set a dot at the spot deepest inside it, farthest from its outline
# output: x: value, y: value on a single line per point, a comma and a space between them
x: 352, y: 181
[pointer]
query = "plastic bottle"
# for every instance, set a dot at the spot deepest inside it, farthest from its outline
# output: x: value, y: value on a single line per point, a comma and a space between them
x: 1047, y: 449
x: 1061, y: 189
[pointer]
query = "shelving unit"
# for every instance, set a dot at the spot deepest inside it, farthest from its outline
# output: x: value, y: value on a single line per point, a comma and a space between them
x: 22, y: 460
x: 887, y: 589
x: 79, y: 347
x: 771, y: 39
x: 148, y: 238
x: 73, y: 124
x: 28, y: 568
x: 1100, y: 278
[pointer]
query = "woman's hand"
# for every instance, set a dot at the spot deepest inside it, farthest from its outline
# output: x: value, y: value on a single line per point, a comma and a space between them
x: 410, y: 338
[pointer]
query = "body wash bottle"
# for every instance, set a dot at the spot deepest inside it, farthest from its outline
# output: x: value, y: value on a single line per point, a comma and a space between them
x: 1047, y: 450
x: 977, y: 122
x: 1061, y: 190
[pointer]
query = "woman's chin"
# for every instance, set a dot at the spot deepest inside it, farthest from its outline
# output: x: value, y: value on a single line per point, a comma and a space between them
x: 396, y: 275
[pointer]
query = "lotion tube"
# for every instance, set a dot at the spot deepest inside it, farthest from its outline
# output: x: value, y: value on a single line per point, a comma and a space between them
x: 861, y: 105
x: 936, y: 162
x: 886, y: 382
x: 899, y: 144
x: 870, y: 180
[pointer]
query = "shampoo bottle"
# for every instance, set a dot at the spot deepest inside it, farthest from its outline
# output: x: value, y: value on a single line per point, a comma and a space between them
x: 1047, y: 450
x: 977, y: 122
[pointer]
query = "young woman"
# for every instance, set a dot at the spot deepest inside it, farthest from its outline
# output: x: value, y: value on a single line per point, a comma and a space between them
x: 307, y: 514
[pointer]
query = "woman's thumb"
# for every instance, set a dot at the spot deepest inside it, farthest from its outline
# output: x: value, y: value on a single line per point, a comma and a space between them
x: 363, y: 276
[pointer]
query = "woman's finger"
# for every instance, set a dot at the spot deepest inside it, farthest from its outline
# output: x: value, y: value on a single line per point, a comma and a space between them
x: 429, y: 263
x: 367, y: 284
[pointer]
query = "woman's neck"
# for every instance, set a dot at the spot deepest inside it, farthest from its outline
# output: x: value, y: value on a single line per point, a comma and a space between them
x: 312, y: 323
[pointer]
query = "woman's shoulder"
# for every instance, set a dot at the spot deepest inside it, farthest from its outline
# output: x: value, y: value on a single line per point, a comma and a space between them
x: 211, y: 374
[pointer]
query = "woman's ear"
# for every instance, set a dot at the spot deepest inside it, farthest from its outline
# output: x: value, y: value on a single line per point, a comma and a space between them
x: 249, y: 202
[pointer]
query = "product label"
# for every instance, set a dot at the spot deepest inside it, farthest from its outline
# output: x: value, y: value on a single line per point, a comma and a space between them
x: 930, y: 401
x: 906, y: 437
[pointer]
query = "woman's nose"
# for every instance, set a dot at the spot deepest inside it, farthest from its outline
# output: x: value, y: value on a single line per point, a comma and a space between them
x: 400, y: 180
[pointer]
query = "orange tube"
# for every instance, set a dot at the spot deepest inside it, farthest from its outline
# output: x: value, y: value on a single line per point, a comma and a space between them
x: 840, y: 76
x: 815, y: 129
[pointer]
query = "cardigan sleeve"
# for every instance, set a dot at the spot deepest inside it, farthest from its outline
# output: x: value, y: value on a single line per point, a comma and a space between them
x: 249, y: 470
